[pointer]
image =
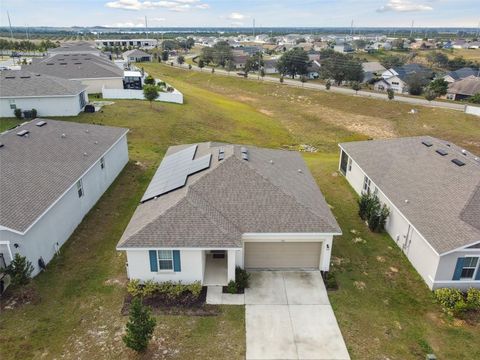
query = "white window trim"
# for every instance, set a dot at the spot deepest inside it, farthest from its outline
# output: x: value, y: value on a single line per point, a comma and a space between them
x: 366, y: 184
x: 171, y: 259
x: 475, y: 268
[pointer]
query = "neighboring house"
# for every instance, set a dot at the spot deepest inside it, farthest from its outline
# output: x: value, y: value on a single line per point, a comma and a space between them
x: 474, y: 45
x: 75, y: 48
x: 270, y: 66
x: 139, y: 43
x: 239, y: 60
x: 463, y: 89
x: 53, y: 173
x: 372, y: 70
x: 211, y: 207
x: 136, y: 55
x: 460, y: 74
x: 343, y: 48
x: 313, y: 69
x: 397, y: 77
x: 93, y: 71
x: 49, y: 95
x: 432, y: 189
x: 460, y: 44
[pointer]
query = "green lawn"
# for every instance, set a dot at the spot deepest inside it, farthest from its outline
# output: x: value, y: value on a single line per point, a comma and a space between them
x: 7, y: 123
x: 382, y: 313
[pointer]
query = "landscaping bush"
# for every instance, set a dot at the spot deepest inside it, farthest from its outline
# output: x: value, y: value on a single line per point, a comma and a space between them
x: 18, y: 113
x: 232, y: 287
x: 20, y: 270
x: 149, y: 80
x: 390, y: 94
x: 34, y: 113
x: 455, y: 302
x: 331, y: 281
x: 170, y: 289
x: 140, y: 327
x: 373, y: 212
x: 241, y: 277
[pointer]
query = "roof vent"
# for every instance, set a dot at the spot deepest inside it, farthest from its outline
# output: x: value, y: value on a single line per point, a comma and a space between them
x: 9, y: 77
x: 1, y: 145
x: 441, y: 152
x: 25, y: 77
x: 245, y: 156
x: 87, y: 131
x: 458, y: 162
x: 95, y: 142
x: 64, y: 136
x: 85, y: 154
x: 300, y: 171
x: 221, y: 154
x: 427, y: 143
x: 41, y: 123
x: 271, y: 162
x: 23, y: 132
x: 464, y: 152
x: 50, y: 63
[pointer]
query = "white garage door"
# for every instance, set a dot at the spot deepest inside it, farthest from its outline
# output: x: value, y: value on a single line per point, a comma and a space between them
x: 282, y: 255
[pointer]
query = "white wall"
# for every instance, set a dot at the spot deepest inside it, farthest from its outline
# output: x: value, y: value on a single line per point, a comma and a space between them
x: 423, y: 258
x: 172, y: 97
x: 60, y: 221
x: 95, y: 86
x: 474, y: 110
x: 446, y: 269
x: 192, y: 264
x: 45, y: 106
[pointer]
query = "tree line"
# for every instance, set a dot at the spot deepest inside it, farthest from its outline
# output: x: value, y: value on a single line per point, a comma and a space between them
x: 26, y: 45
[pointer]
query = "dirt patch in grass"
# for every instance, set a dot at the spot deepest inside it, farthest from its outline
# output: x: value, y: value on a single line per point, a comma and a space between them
x: 15, y: 298
x: 267, y: 112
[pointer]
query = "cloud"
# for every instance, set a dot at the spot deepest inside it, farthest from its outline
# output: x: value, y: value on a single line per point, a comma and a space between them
x: 236, y: 16
x: 127, y: 24
x: 403, y: 6
x: 172, y: 5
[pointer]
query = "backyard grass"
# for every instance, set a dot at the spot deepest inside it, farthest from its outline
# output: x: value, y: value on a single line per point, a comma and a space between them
x: 383, y: 307
x: 7, y: 123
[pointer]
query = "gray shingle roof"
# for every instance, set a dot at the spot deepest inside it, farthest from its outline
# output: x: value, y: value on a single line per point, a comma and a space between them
x: 75, y: 47
x: 443, y: 198
x: 36, y: 170
x: 76, y: 66
x: 463, y: 73
x: 136, y: 53
x: 24, y: 83
x: 266, y: 194
x: 467, y: 86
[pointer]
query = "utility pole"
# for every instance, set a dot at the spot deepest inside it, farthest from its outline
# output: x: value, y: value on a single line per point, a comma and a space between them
x: 146, y: 26
x: 253, y: 27
x: 411, y: 29
x: 351, y: 28
x: 10, y: 24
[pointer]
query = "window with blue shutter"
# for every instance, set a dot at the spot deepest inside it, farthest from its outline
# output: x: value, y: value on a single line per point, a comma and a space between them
x: 177, y: 267
x: 458, y: 269
x: 153, y: 261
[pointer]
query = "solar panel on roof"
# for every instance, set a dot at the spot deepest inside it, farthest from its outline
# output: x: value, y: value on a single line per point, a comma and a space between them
x: 441, y: 152
x: 174, y: 171
x: 458, y: 162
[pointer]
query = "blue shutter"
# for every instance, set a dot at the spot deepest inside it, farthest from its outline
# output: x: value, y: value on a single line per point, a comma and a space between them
x: 458, y: 269
x: 153, y: 260
x: 177, y: 267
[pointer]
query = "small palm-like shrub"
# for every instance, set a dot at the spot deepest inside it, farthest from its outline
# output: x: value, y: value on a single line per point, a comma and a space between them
x: 232, y: 287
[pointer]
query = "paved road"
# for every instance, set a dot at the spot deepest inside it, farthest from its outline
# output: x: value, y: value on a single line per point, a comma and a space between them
x: 288, y: 316
x: 341, y: 90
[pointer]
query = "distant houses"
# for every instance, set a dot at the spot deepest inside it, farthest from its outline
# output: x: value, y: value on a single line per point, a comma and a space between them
x: 53, y: 173
x: 372, y: 70
x: 48, y: 95
x: 136, y: 55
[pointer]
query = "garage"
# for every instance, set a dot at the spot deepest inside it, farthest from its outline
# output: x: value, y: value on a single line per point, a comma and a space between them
x: 282, y: 255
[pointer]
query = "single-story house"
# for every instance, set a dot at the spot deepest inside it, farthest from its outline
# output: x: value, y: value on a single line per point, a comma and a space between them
x: 53, y: 173
x: 372, y: 70
x: 270, y: 66
x: 49, y: 95
x: 397, y: 77
x: 460, y: 74
x: 74, y: 48
x: 463, y: 89
x: 91, y: 70
x: 212, y: 207
x: 136, y: 55
x: 432, y: 188
x: 239, y: 60
x: 343, y: 48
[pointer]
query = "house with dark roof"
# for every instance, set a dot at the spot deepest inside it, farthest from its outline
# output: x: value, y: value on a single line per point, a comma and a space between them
x: 48, y: 95
x: 397, y: 78
x: 460, y: 74
x: 432, y: 188
x: 136, y: 55
x: 212, y: 207
x: 95, y: 72
x: 464, y: 88
x: 75, y: 48
x: 52, y: 173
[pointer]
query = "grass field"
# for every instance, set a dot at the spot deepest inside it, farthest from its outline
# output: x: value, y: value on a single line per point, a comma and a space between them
x: 382, y: 313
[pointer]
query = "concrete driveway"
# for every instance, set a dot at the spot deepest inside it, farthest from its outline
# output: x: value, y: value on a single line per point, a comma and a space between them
x: 288, y: 316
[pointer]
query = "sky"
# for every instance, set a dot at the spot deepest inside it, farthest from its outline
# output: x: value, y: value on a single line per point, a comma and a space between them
x: 240, y: 13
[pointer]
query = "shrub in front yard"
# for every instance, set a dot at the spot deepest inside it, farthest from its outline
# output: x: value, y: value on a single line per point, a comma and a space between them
x: 454, y: 302
x: 331, y: 281
x: 232, y: 287
x: 20, y: 270
x: 140, y: 326
x: 18, y: 113
x: 241, y: 277
x: 168, y: 288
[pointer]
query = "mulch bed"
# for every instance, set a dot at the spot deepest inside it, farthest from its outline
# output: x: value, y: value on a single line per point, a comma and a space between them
x: 185, y: 304
x: 239, y: 290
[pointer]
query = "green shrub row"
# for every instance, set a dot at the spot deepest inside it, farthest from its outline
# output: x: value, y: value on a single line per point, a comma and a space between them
x: 373, y: 212
x: 169, y: 288
x: 455, y: 302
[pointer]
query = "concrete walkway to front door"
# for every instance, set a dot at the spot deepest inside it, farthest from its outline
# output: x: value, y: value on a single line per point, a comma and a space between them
x: 288, y: 316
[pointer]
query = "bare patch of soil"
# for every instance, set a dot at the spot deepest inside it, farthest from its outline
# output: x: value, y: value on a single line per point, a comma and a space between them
x: 15, y: 298
x: 267, y: 112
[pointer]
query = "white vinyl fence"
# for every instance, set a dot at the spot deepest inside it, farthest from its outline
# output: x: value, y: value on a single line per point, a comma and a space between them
x: 474, y: 110
x: 172, y: 97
